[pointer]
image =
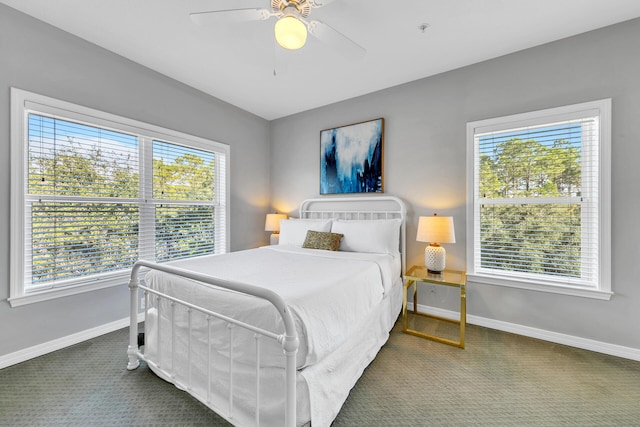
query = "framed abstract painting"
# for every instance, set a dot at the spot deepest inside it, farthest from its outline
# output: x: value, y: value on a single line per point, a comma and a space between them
x: 352, y: 158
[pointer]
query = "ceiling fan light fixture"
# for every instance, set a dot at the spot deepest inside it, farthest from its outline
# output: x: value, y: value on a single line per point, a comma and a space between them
x: 290, y: 32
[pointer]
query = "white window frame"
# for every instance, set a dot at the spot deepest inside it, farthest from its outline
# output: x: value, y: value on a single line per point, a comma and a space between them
x: 22, y: 103
x: 602, y: 290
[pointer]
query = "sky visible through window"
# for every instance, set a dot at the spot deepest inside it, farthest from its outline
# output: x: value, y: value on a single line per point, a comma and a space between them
x: 545, y: 135
x: 63, y: 132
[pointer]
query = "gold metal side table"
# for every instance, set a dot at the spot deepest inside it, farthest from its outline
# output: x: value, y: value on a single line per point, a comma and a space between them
x: 419, y: 274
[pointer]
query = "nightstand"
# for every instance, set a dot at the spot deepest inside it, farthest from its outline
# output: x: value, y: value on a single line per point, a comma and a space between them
x: 419, y: 274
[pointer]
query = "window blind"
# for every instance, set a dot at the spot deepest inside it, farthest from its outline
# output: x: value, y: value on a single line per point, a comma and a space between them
x: 98, y: 199
x: 79, y: 239
x: 81, y: 201
x: 184, y: 202
x: 536, y: 201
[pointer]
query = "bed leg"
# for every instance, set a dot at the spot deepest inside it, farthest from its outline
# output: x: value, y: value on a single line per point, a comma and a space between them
x: 132, y: 350
x: 290, y: 348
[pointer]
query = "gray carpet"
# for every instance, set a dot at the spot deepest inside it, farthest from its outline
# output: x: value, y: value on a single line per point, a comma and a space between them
x: 500, y: 379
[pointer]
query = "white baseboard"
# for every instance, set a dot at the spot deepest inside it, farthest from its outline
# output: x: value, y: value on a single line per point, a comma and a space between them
x: 60, y: 343
x: 572, y: 341
x: 583, y: 343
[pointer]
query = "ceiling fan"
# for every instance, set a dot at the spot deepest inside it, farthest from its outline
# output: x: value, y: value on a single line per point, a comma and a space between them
x: 291, y: 26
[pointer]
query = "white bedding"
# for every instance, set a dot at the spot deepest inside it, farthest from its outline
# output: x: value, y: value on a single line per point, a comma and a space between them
x: 330, y: 381
x: 329, y: 293
x: 336, y: 299
x: 321, y: 389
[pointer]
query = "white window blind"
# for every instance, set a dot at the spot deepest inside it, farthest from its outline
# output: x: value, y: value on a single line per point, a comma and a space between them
x: 537, y: 206
x: 81, y: 201
x: 184, y: 201
x: 95, y: 192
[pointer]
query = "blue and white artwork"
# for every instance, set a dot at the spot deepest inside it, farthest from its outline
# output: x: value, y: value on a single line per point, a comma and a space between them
x: 351, y: 158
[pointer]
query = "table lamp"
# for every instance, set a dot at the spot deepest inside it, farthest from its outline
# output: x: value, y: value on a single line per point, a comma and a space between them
x: 435, y: 230
x: 272, y: 223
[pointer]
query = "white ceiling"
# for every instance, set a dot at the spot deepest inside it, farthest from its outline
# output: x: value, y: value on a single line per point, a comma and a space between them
x: 236, y: 63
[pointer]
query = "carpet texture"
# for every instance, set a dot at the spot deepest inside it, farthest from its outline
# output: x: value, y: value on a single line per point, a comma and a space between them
x: 500, y: 379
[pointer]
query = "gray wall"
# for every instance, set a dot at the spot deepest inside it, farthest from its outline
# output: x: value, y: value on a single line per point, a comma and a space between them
x: 425, y: 164
x: 39, y: 58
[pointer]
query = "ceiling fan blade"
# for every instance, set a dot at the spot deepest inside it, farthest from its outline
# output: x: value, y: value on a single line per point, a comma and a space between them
x: 229, y: 16
x: 336, y: 39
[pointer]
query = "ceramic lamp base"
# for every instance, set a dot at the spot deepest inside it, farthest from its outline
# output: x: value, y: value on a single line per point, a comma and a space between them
x: 274, y: 239
x: 435, y: 258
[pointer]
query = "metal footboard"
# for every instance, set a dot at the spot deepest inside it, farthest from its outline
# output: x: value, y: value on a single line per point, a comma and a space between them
x: 288, y: 340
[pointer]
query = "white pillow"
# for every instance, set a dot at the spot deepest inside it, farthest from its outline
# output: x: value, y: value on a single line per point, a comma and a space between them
x: 374, y: 236
x: 294, y: 231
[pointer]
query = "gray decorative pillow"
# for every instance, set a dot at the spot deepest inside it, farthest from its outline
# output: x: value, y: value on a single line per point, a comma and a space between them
x: 322, y: 240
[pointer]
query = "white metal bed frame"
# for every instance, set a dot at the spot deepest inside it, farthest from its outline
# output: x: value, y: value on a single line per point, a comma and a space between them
x: 373, y: 207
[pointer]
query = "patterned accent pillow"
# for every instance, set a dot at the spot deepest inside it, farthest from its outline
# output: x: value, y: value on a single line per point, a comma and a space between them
x: 322, y: 240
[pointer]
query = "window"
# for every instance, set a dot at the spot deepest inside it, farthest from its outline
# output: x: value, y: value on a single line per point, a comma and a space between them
x: 539, y: 200
x: 93, y: 192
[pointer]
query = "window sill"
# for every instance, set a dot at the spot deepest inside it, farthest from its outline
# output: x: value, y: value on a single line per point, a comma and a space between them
x: 52, y: 293
x: 555, y: 289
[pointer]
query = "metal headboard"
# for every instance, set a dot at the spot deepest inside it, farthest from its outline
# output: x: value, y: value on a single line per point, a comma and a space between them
x: 359, y: 208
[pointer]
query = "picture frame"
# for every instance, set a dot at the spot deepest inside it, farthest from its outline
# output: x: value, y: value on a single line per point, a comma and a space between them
x: 352, y: 158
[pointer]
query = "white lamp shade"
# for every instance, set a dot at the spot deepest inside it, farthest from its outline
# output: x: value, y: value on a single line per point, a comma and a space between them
x: 272, y: 222
x: 436, y: 229
x: 290, y: 32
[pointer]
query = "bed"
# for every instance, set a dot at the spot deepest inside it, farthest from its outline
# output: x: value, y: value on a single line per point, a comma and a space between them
x: 277, y: 335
